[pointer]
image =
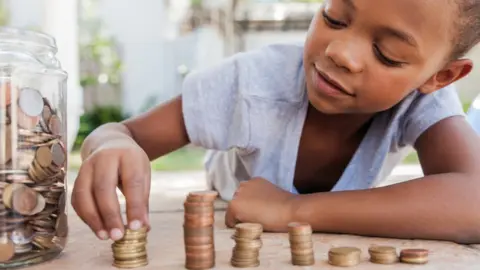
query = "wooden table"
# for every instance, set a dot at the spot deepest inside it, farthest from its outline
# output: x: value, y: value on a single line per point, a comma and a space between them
x: 166, y: 250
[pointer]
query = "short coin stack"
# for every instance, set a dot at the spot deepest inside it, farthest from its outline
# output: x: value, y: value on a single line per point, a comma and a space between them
x: 383, y: 254
x: 414, y: 256
x: 248, y: 244
x: 344, y: 256
x: 301, y: 244
x: 198, y: 230
x: 131, y: 250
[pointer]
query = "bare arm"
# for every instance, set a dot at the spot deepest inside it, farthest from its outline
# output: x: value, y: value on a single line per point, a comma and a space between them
x: 440, y: 206
x: 158, y: 132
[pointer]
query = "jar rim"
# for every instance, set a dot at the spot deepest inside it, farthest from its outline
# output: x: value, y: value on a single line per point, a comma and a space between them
x: 23, y: 36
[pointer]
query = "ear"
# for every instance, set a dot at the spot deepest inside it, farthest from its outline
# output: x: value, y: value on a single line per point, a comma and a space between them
x: 451, y: 73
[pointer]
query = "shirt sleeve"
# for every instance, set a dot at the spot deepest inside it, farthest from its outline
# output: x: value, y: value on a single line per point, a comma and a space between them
x: 214, y: 111
x: 427, y: 110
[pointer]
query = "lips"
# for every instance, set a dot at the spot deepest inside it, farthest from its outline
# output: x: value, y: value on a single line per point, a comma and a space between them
x: 335, y: 84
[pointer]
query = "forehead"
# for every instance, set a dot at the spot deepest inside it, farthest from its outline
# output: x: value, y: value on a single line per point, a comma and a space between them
x: 430, y: 22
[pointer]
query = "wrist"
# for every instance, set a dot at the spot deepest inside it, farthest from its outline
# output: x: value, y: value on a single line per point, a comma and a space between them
x: 303, y: 208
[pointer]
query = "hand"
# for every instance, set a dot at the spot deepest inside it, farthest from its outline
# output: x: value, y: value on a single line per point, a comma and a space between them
x: 120, y: 163
x: 259, y: 201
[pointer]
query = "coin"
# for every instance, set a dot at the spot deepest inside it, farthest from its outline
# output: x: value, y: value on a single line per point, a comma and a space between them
x: 198, y: 230
x: 7, y: 248
x: 414, y: 256
x: 248, y: 243
x: 131, y: 250
x: 301, y: 244
x: 383, y: 254
x: 24, y: 200
x: 30, y: 101
x: 344, y: 256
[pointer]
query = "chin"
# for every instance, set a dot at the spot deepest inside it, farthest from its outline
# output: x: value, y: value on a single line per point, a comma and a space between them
x: 324, y: 106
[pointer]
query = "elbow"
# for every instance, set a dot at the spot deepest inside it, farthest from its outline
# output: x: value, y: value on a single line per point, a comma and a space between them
x: 470, y: 232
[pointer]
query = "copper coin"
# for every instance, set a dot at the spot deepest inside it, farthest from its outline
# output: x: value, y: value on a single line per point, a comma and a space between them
x: 198, y: 240
x: 194, y: 231
x: 30, y: 101
x: 41, y: 203
x: 8, y: 193
x: 202, y: 196
x: 55, y: 125
x: 7, y: 249
x: 414, y: 256
x: 24, y: 200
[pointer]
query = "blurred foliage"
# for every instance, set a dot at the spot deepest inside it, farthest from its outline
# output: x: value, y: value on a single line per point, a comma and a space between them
x: 4, y: 13
x: 92, y: 119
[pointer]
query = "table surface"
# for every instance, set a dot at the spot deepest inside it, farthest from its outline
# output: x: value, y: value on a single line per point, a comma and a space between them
x: 166, y: 249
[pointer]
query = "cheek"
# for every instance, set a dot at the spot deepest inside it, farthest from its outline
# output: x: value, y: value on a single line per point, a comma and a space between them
x: 383, y: 90
x: 317, y: 38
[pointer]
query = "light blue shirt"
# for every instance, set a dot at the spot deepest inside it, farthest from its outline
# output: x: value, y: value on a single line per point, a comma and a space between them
x: 250, y: 110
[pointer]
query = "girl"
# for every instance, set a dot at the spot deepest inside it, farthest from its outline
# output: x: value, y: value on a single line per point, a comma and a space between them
x: 311, y: 130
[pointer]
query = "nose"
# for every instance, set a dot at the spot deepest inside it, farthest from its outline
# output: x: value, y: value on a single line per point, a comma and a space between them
x: 345, y: 55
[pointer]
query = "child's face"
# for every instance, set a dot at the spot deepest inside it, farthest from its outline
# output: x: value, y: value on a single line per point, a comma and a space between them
x: 377, y: 50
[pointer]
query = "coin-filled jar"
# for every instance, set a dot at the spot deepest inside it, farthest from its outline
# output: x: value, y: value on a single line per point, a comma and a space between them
x: 33, y: 154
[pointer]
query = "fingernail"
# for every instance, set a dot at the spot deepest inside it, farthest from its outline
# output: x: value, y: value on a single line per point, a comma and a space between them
x: 135, y: 225
x: 103, y: 235
x: 116, y: 234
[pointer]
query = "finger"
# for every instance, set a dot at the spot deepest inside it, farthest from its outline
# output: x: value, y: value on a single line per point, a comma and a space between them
x: 147, y: 194
x: 230, y: 219
x: 134, y: 187
x: 83, y: 202
x: 104, y: 186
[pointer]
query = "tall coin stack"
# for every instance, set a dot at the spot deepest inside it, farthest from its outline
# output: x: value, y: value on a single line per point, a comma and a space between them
x: 131, y: 250
x: 301, y: 244
x: 248, y: 243
x: 198, y: 230
x: 32, y: 175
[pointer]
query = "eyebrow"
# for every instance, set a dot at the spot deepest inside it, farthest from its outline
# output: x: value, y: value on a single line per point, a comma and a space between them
x: 403, y: 36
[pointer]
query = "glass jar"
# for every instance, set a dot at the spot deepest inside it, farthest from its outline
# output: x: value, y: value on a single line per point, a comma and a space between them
x: 33, y: 157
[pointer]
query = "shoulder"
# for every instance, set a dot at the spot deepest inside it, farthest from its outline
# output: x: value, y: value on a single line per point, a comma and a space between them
x: 273, y: 72
x: 418, y: 112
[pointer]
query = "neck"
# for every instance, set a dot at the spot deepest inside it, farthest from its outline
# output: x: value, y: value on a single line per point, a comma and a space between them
x: 343, y: 126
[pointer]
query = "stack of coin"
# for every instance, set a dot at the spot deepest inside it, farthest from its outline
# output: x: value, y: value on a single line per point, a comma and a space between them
x: 247, y: 245
x: 198, y: 230
x: 414, y: 256
x: 32, y: 174
x: 383, y: 254
x: 344, y: 256
x: 131, y: 250
x: 301, y: 244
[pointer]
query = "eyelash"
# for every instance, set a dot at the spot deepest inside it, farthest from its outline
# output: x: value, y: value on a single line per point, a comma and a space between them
x: 378, y: 53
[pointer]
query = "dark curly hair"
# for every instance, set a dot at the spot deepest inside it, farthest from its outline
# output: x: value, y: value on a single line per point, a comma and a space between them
x: 468, y: 27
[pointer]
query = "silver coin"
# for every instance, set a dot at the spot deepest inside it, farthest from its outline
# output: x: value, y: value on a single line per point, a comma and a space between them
x: 31, y: 102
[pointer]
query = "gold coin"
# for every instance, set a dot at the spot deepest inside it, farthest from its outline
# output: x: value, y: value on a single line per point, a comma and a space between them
x: 44, y: 156
x: 299, y: 228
